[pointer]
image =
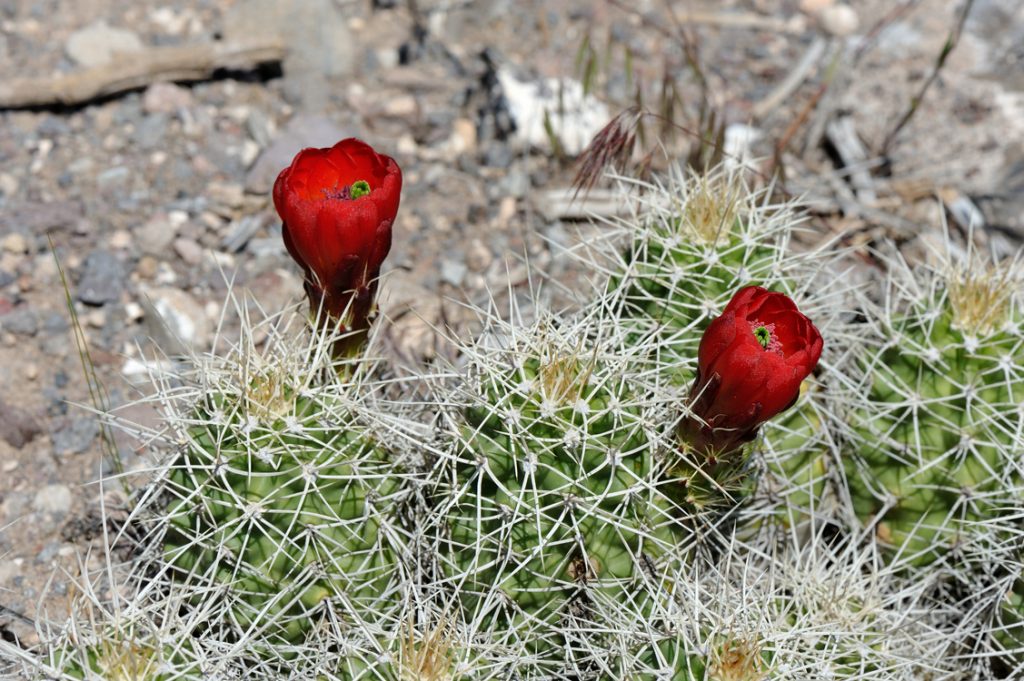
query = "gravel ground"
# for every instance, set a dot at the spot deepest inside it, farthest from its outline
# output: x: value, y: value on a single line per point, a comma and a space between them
x: 155, y: 198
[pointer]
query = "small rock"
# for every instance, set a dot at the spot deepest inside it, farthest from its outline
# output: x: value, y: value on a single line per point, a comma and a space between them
x: 42, y: 218
x: 260, y: 128
x: 453, y: 271
x: 402, y: 106
x: 507, y: 210
x: 15, y: 243
x: 8, y: 185
x: 148, y: 267
x: 550, y: 105
x: 264, y: 248
x: 97, y: 44
x: 157, y: 234
x: 22, y: 322
x: 54, y: 499
x: 498, y: 155
x: 31, y: 371
x: 166, y: 98
x: 121, y: 240
x: 227, y: 194
x: 17, y: 426
x: 478, y: 256
x: 75, y: 437
x: 839, y: 20
x: 406, y: 145
x: 150, y: 131
x: 9, y: 569
x: 113, y: 179
x: 241, y: 231
x: 96, y: 319
x: 515, y: 183
x: 188, y: 250
x: 463, y: 139
x: 48, y: 553
x: 55, y: 323
x: 179, y: 320
x: 102, y: 279
x: 134, y: 312
x: 301, y: 131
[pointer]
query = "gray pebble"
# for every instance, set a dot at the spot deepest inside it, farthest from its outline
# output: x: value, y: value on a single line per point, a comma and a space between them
x: 189, y: 251
x: 54, y: 499
x: 156, y: 235
x: 102, y: 279
x: 453, y: 271
x: 42, y: 218
x: 498, y: 155
x: 49, y: 552
x: 55, y: 322
x: 150, y: 132
x: 113, y: 179
x: 97, y: 44
x: 22, y: 322
x: 17, y: 426
x: 76, y: 436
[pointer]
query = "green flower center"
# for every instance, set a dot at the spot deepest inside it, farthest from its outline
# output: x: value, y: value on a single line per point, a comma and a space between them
x: 359, y: 188
x: 763, y: 336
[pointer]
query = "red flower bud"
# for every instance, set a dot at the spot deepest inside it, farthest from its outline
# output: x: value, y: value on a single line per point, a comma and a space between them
x: 338, y: 205
x: 750, y: 364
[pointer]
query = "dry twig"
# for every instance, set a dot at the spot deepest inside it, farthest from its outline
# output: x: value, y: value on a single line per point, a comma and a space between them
x: 136, y: 70
x: 915, y: 102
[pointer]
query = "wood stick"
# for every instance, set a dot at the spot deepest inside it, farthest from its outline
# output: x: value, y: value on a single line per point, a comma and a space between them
x: 130, y: 71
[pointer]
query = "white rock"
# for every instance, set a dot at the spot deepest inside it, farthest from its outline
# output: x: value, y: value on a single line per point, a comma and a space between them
x: 15, y: 243
x: 839, y: 20
x: 53, y: 499
x: 574, y: 117
x: 184, y: 317
x: 97, y: 44
x: 8, y: 184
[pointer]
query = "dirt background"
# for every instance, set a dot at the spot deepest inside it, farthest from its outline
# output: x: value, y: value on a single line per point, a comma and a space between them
x: 153, y: 199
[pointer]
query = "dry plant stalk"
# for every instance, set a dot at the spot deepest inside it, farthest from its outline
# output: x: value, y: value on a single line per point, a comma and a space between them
x: 130, y: 71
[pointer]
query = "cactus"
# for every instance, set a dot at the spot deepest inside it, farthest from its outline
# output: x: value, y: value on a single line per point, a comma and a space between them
x: 689, y: 246
x: 553, y: 497
x: 803, y: 609
x: 938, y: 389
x: 284, y: 492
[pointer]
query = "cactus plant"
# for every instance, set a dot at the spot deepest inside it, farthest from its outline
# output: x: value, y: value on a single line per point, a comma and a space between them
x: 690, y: 244
x: 937, y: 389
x: 283, y: 491
x: 553, y: 497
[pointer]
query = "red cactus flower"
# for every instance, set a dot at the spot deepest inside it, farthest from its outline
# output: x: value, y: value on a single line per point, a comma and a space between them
x: 338, y: 205
x: 750, y: 364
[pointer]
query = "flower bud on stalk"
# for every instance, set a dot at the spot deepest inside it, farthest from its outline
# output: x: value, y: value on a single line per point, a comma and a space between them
x: 338, y: 205
x: 750, y: 364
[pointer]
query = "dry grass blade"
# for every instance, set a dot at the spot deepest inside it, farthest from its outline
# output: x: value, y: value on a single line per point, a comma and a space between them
x: 612, y: 147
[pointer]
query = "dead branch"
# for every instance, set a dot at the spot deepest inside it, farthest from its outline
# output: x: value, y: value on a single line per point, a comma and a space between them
x: 134, y: 70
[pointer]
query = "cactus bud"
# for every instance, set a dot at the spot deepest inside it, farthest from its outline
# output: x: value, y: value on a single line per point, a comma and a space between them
x: 338, y: 205
x: 751, y: 362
